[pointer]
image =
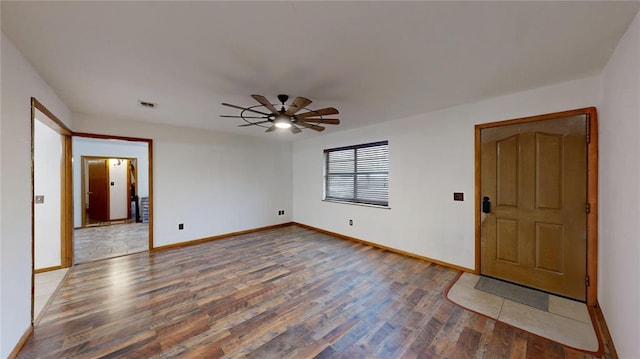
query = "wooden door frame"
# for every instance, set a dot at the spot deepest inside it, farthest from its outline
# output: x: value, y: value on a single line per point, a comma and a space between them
x: 592, y: 189
x: 149, y: 143
x: 66, y: 191
x: 83, y: 189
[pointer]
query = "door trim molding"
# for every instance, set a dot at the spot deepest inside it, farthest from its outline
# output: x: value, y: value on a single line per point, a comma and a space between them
x: 592, y: 189
x: 83, y: 189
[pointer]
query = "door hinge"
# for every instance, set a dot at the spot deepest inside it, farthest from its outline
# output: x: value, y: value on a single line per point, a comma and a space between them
x: 587, y: 281
x: 588, y: 136
x: 588, y: 208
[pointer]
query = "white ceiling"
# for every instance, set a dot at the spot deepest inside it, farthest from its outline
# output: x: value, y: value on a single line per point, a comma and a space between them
x: 374, y: 61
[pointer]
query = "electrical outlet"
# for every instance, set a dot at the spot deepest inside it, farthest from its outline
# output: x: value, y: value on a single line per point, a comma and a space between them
x: 351, y: 222
x: 282, y: 212
x: 180, y: 226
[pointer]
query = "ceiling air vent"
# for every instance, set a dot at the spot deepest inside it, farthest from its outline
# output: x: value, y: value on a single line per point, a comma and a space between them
x: 147, y: 104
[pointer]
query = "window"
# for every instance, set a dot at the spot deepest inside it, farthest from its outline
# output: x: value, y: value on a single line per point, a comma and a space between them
x: 358, y: 174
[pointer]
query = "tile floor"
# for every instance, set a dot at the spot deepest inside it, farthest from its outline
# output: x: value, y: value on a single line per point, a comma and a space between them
x: 109, y: 241
x: 567, y: 321
x: 46, y: 284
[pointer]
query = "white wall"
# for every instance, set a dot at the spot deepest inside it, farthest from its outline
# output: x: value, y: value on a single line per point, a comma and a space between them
x: 431, y: 156
x: 212, y: 182
x: 85, y: 146
x: 619, y: 161
x: 118, y: 199
x: 47, y: 161
x: 19, y: 82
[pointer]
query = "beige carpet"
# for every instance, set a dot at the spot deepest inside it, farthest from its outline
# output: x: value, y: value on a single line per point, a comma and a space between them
x: 566, y: 321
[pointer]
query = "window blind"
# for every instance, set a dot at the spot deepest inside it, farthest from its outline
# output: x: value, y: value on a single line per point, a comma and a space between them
x: 358, y: 174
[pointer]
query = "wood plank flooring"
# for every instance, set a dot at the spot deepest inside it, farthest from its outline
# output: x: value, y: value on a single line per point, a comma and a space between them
x: 282, y: 293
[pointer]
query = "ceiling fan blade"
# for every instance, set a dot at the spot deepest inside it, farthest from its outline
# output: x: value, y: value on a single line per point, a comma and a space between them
x: 264, y: 102
x: 294, y: 129
x: 328, y: 121
x: 298, y: 104
x: 321, y: 112
x: 231, y: 116
x: 308, y: 125
x: 245, y: 109
x: 252, y: 124
x: 271, y: 129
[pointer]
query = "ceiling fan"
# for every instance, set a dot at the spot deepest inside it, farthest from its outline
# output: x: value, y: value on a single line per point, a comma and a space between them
x: 286, y: 116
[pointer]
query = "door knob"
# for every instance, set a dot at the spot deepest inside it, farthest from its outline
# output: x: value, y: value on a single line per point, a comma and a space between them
x: 486, y: 205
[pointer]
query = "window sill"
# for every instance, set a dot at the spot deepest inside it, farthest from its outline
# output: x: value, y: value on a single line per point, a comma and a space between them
x: 356, y: 204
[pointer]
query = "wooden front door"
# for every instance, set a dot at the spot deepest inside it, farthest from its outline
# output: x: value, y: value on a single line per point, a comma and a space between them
x: 98, y: 210
x: 535, y: 177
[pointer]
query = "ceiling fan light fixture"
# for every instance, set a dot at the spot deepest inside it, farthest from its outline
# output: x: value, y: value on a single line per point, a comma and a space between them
x: 282, y: 121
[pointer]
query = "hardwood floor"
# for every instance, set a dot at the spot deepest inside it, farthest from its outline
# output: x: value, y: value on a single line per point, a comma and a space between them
x: 282, y: 293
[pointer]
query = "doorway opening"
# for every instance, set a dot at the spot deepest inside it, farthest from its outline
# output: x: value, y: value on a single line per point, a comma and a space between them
x: 113, y: 196
x: 109, y: 191
x: 51, y: 205
x: 536, y: 196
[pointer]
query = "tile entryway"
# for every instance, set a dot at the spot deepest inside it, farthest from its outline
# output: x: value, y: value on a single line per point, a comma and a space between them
x: 566, y: 321
x: 46, y: 284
